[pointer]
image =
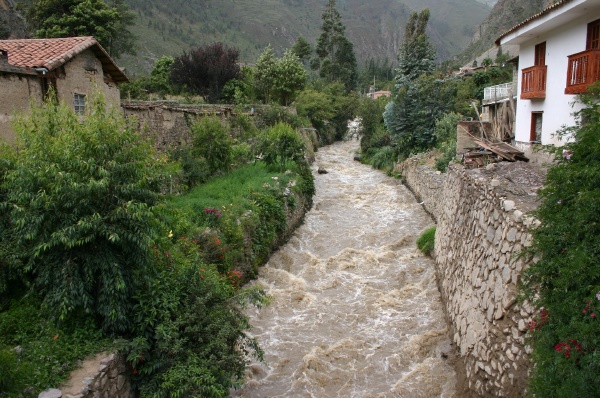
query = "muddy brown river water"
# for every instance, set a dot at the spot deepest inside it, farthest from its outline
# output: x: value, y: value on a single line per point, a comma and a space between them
x: 356, y: 311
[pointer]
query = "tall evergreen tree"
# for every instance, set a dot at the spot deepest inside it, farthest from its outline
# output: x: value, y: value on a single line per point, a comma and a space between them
x: 336, y: 60
x: 108, y: 22
x: 420, y: 99
x: 417, y: 54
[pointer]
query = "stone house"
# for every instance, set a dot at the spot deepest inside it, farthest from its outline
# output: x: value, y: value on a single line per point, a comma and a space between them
x: 559, y: 57
x: 73, y: 66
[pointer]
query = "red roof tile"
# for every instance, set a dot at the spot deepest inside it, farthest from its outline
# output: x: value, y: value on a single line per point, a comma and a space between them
x: 44, y: 53
x: 52, y: 53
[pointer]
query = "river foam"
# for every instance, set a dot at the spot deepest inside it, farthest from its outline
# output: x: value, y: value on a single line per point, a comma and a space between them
x: 356, y: 311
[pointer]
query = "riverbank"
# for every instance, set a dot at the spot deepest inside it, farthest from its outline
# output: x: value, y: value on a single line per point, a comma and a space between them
x: 482, y: 226
x: 356, y: 310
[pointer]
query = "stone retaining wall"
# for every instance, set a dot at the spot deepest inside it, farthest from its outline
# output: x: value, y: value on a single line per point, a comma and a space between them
x: 425, y: 183
x: 106, y: 376
x: 479, y: 234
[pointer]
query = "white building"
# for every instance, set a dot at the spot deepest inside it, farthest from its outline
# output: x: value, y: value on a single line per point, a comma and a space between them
x: 559, y: 57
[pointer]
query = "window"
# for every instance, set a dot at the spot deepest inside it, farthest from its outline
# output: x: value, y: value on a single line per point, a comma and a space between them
x: 540, y: 54
x: 536, y: 127
x: 79, y: 104
x: 593, y: 35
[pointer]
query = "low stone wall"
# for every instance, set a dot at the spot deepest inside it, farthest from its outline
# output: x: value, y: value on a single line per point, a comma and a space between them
x: 425, y: 183
x: 481, y: 230
x: 167, y: 123
x: 106, y: 376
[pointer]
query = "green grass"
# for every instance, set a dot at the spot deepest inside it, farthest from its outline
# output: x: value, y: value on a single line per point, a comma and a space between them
x: 231, y: 190
x: 46, y: 353
x: 426, y: 241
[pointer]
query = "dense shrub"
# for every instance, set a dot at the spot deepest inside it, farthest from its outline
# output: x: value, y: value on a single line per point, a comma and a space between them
x: 80, y: 199
x: 274, y: 114
x: 564, y: 283
x: 382, y: 158
x: 445, y: 134
x: 371, y: 116
x: 426, y: 241
x: 190, y: 326
x: 212, y: 143
x: 281, y: 144
x: 35, y: 353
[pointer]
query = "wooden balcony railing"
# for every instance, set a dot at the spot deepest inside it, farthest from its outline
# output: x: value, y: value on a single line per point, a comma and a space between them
x: 533, y: 82
x: 584, y: 69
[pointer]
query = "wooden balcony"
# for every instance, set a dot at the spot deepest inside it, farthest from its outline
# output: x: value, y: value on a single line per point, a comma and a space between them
x: 584, y: 69
x: 533, y: 82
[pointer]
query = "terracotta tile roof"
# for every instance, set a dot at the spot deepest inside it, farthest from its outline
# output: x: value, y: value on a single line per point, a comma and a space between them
x: 532, y: 18
x: 52, y: 53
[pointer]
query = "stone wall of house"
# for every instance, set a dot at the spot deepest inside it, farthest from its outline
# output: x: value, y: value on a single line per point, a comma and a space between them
x: 84, y: 75
x: 106, y: 376
x: 17, y: 89
x: 482, y: 226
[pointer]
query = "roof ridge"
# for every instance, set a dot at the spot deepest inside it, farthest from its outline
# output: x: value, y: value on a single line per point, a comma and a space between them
x: 545, y: 11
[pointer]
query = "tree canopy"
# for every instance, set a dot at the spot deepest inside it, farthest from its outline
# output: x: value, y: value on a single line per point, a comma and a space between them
x: 108, y: 23
x: 335, y: 60
x: 205, y: 70
x: 80, y: 204
x: 279, y: 78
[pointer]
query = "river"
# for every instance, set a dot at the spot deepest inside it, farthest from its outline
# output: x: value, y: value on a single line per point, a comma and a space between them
x: 356, y: 311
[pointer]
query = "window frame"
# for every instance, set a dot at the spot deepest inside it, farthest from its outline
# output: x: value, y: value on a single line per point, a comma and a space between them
x: 533, y: 136
x: 79, y: 103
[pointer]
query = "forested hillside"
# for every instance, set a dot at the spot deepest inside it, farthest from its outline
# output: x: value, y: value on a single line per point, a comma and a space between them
x: 375, y: 28
x: 504, y: 15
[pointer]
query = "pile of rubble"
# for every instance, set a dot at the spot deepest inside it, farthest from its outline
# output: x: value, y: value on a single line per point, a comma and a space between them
x: 487, y: 152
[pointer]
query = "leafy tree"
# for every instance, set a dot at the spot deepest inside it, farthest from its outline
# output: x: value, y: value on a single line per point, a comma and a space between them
x: 371, y: 115
x: 302, y: 49
x: 80, y: 199
x: 4, y: 32
x: 241, y: 90
x: 316, y: 106
x: 160, y: 75
x: 280, y: 78
x: 290, y: 77
x: 564, y: 283
x: 376, y: 72
x: 266, y: 71
x: 336, y: 60
x: 206, y: 70
x: 108, y: 23
x: 191, y: 325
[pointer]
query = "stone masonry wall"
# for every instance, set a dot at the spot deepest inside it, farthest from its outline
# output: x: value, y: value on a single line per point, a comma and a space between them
x: 166, y: 123
x: 105, y: 376
x: 425, y: 183
x: 481, y: 229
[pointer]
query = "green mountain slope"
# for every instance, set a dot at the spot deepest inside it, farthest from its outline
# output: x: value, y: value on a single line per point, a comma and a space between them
x: 168, y: 27
x: 504, y: 15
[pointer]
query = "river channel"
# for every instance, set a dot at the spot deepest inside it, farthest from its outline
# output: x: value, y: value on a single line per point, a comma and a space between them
x: 355, y: 311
